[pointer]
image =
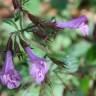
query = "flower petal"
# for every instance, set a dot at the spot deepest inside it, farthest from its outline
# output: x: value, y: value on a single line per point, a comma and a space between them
x: 73, y: 23
x: 8, y: 61
x: 11, y: 79
x: 80, y: 23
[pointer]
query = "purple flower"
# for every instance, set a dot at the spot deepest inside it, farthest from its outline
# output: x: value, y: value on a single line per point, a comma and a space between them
x: 9, y: 76
x: 38, y: 68
x: 80, y: 23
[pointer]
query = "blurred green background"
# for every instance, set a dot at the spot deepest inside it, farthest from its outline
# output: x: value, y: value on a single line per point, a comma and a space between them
x: 78, y: 78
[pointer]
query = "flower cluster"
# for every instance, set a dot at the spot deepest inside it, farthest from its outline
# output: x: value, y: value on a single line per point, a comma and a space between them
x: 38, y: 67
x: 11, y: 78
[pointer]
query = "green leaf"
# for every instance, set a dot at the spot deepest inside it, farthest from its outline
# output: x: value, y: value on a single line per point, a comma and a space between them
x: 71, y: 63
x: 59, y: 4
x: 33, y: 6
x: 46, y: 90
x: 91, y: 55
x: 84, y: 84
x: 79, y: 49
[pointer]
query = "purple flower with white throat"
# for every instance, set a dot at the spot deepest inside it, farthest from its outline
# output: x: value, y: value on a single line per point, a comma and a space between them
x: 79, y: 23
x: 9, y: 76
x: 38, y: 67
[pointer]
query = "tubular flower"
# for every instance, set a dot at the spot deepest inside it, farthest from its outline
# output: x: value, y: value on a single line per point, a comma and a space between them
x: 9, y: 76
x: 80, y: 23
x: 38, y: 68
